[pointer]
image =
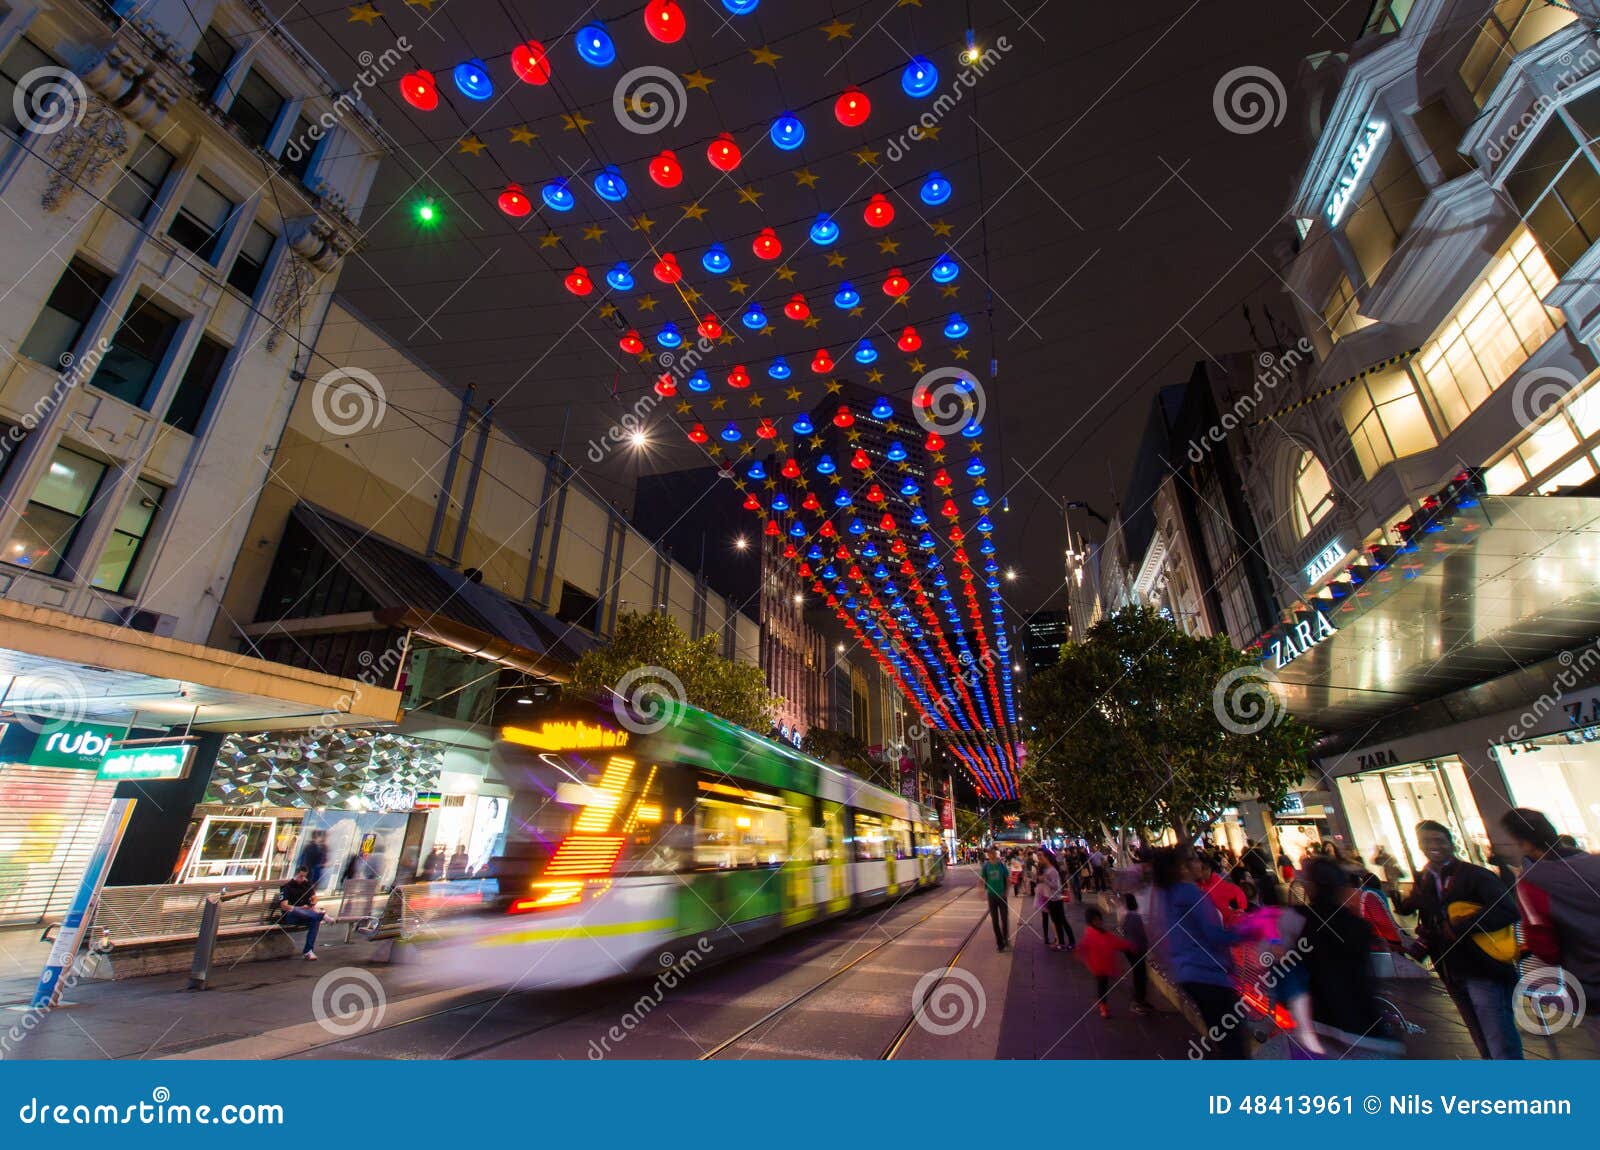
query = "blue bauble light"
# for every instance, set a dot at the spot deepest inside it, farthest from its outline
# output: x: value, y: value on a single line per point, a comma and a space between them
x: 716, y: 260
x: 802, y: 425
x: 757, y: 471
x: 865, y: 352
x: 595, y: 45
x: 730, y: 433
x: 909, y: 488
x: 857, y: 527
x: 976, y: 467
x: 779, y: 502
x: 620, y: 278
x: 918, y: 78
x: 896, y: 452
x: 669, y: 336
x: 754, y: 318
x: 699, y: 382
x: 972, y: 430
x: 935, y: 190
x: 609, y: 185
x: 472, y: 80
x: 945, y: 270
x: 882, y: 409
x: 841, y: 498
x: 798, y: 530
x: 955, y: 327
x: 825, y: 465
x: 740, y: 7
x: 980, y: 498
x: 815, y: 553
x: 778, y: 369
x: 788, y: 133
x: 846, y: 297
x: 557, y: 196
x: 824, y: 231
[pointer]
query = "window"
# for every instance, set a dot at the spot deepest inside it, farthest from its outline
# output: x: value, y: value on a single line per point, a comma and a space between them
x: 255, y: 108
x: 128, y: 369
x: 747, y: 829
x: 201, y: 220
x: 302, y: 146
x: 1341, y: 313
x: 1385, y: 210
x: 52, y: 518
x: 24, y: 57
x: 1386, y: 420
x: 210, y: 60
x: 1493, y: 331
x: 578, y: 607
x: 1556, y: 187
x: 251, y: 260
x: 1561, y: 451
x: 1512, y: 26
x: 1313, y: 494
x: 66, y: 313
x: 871, y: 839
x: 142, y: 176
x: 1387, y: 16
x: 128, y: 537
x: 1442, y: 132
x: 188, y: 406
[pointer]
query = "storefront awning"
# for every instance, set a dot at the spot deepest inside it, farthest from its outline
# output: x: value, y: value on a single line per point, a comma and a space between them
x: 1499, y: 586
x: 60, y: 665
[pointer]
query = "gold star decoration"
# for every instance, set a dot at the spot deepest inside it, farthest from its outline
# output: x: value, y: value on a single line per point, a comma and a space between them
x: 938, y: 457
x: 960, y: 352
x: 940, y: 227
x: 472, y: 146
x: 792, y: 394
x: 690, y: 295
x: 781, y: 447
x: 903, y: 300
x: 891, y: 427
x: 931, y: 133
x: 765, y: 55
x: 647, y: 303
x: 812, y: 322
x: 835, y: 387
x: 698, y: 80
x: 888, y: 247
x: 694, y: 211
x: 726, y: 338
x: 363, y: 14
x: 607, y: 310
x: 856, y: 312
x: 785, y: 273
x: 523, y: 135
x: 575, y: 122
x: 874, y: 376
x: 805, y: 179
x: 737, y: 286
x: 756, y: 399
x: 950, y: 291
x: 909, y: 4
x: 837, y: 30
x: 593, y: 232
x: 644, y: 357
x: 549, y: 240
x: 718, y: 402
x: 917, y: 366
x: 766, y: 330
x: 815, y: 441
x: 683, y: 407
x: 836, y: 259
x: 641, y: 223
x: 853, y: 435
x: 867, y: 156
x: 973, y: 447
x: 749, y: 195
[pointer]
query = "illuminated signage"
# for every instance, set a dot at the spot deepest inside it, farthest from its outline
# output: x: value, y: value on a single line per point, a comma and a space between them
x: 80, y: 745
x: 1327, y: 559
x: 565, y: 737
x: 1293, y: 804
x: 147, y: 764
x: 1300, y: 638
x: 1357, y: 164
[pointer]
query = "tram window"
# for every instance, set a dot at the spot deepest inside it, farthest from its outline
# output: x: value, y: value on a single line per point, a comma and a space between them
x: 902, y: 839
x: 730, y: 834
x: 657, y: 843
x: 871, y: 838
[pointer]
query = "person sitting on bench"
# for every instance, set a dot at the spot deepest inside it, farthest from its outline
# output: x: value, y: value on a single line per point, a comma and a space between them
x: 297, y: 900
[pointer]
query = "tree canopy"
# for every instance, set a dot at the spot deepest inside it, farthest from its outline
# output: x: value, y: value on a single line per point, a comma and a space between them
x: 1144, y: 727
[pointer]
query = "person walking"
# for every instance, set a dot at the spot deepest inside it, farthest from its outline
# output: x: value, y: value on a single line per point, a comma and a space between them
x: 995, y: 874
x: 314, y: 857
x: 1337, y: 942
x: 1557, y: 896
x: 1047, y: 897
x: 1133, y: 930
x: 1016, y: 872
x: 1100, y: 950
x: 1465, y: 914
x: 1194, y: 945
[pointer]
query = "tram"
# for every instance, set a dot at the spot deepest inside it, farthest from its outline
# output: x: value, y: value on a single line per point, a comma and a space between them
x: 634, y: 841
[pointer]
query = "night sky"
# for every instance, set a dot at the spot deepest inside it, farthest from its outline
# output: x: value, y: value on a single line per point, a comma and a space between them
x: 1117, y: 224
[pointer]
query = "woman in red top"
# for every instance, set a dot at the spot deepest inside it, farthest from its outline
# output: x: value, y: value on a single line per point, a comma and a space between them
x: 1375, y: 910
x: 1100, y: 949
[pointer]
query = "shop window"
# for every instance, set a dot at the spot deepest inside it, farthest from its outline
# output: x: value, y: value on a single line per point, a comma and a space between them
x: 1386, y: 420
x: 50, y: 521
x: 1561, y: 777
x: 143, y: 175
x: 1574, y: 474
x: 245, y: 275
x: 256, y: 107
x: 1512, y: 26
x: 733, y: 833
x: 1556, y: 187
x: 210, y: 61
x: 22, y: 58
x: 128, y: 537
x: 301, y: 149
x: 1492, y: 332
x: 66, y: 313
x: 1384, y: 808
x: 129, y: 367
x: 1341, y: 312
x: 1313, y: 493
x: 1506, y: 477
x: 188, y: 406
x: 578, y: 607
x: 1385, y: 210
x: 1442, y: 132
x: 202, y: 220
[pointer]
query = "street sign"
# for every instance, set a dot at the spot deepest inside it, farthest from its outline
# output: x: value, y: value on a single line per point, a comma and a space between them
x: 81, y: 913
x: 147, y: 764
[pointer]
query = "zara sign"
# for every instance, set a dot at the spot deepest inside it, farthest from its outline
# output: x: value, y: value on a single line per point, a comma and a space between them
x: 1300, y: 638
x: 1355, y: 169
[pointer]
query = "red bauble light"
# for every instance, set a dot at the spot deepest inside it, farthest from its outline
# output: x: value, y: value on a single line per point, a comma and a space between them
x: 923, y: 397
x: 887, y: 523
x: 941, y: 478
x: 751, y: 503
x: 879, y: 212
x: 631, y: 343
x: 772, y: 528
x: 724, y: 153
x: 810, y: 502
x: 950, y: 510
x: 698, y: 433
x: 710, y: 327
x: 791, y: 470
x: 860, y: 460
x: 852, y: 108
x: 739, y: 377
x: 665, y: 169
x: 578, y: 281
x: 875, y: 494
x: 896, y: 284
x: 530, y: 64
x: 420, y: 90
x: 514, y: 201
x: 822, y: 362
x: 766, y: 245
x: 842, y: 417
x: 664, y: 20
x: 827, y: 531
x: 766, y: 430
x: 667, y: 269
x: 797, y: 309
x: 666, y: 386
x: 909, y: 340
x: 934, y: 442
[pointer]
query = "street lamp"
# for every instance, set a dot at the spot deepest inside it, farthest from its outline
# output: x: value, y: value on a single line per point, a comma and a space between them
x: 741, y: 543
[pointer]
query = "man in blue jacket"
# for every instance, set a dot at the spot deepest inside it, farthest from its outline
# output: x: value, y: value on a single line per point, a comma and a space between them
x: 1193, y: 945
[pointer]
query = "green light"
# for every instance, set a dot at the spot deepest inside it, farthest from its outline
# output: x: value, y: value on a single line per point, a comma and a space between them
x: 427, y: 213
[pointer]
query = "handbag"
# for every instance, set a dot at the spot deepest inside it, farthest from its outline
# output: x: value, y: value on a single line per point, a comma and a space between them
x: 1500, y: 945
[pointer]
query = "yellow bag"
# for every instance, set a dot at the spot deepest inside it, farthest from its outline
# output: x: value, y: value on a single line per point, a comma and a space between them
x: 1500, y: 945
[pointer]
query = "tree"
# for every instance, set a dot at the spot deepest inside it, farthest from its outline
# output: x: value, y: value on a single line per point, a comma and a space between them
x: 843, y: 749
x: 970, y: 826
x: 668, y: 661
x: 1144, y: 727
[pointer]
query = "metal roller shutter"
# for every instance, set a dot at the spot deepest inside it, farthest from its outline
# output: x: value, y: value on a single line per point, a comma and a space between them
x: 49, y: 820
